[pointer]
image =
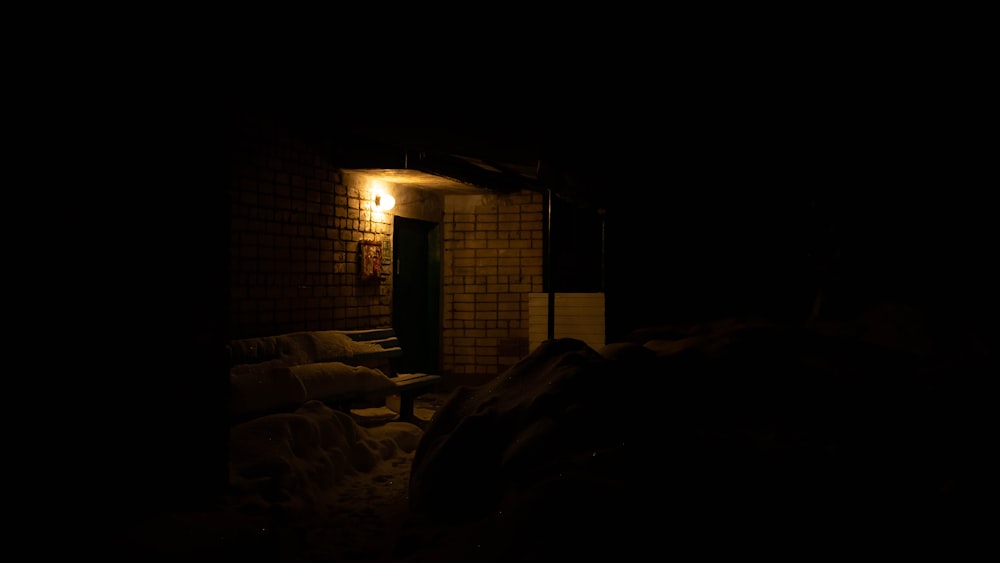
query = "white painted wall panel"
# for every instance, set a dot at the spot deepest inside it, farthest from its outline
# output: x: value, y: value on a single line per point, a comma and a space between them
x: 577, y: 315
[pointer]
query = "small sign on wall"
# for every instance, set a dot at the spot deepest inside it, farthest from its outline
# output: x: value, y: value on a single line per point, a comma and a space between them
x: 387, y: 251
x: 371, y: 260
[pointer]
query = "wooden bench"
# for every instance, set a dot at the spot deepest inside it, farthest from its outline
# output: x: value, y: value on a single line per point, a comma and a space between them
x: 409, y: 386
x: 378, y: 348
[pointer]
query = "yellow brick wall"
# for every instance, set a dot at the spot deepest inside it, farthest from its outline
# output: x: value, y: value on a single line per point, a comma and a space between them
x: 493, y: 259
x: 295, y: 230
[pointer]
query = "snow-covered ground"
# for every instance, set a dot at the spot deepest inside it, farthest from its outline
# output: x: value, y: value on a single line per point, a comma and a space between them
x: 733, y: 437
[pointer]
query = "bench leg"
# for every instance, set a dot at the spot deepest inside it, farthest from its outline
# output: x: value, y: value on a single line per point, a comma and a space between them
x: 406, y: 407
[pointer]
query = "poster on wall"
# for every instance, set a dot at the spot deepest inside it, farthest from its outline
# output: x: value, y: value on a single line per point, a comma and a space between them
x: 371, y: 260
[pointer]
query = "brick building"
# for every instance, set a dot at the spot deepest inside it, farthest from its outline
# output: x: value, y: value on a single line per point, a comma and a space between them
x: 301, y: 213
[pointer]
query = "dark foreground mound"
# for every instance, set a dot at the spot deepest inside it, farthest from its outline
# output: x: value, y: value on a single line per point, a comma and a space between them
x: 740, y: 439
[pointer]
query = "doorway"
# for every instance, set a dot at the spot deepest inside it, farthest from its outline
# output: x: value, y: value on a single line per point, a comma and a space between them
x: 416, y: 293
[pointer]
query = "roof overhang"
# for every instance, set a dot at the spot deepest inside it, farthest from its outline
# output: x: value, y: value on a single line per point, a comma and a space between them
x: 441, y: 167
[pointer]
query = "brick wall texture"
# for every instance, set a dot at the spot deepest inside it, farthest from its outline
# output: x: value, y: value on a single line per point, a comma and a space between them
x: 493, y: 258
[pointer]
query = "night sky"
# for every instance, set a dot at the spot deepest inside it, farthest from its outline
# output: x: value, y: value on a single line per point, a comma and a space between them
x: 752, y: 217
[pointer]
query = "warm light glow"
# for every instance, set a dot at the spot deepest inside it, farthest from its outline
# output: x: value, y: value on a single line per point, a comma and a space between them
x: 384, y: 202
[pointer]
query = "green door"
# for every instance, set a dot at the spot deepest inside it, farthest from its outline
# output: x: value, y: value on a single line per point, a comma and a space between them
x: 416, y: 294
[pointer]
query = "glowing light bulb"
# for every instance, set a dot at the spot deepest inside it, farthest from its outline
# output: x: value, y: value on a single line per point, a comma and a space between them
x: 384, y: 202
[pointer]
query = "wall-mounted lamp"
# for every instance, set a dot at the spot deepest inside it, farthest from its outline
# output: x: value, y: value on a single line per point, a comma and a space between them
x: 384, y: 202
